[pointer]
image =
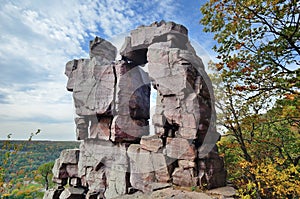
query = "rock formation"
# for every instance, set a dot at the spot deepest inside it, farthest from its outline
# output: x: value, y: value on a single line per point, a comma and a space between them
x: 117, y: 155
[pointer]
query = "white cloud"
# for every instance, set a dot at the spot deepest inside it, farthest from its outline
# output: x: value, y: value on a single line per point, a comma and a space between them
x: 37, y: 39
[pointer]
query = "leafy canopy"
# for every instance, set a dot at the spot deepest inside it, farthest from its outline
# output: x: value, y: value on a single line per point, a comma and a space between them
x: 258, y: 43
x: 257, y: 87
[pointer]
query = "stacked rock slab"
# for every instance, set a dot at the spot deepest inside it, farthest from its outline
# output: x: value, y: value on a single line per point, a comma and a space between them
x: 112, y: 100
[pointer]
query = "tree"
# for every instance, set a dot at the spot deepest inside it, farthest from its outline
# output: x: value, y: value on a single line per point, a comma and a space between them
x: 257, y: 87
x: 8, y: 161
x: 261, y: 149
x: 272, y: 142
x: 45, y: 170
x: 257, y: 145
x: 258, y: 43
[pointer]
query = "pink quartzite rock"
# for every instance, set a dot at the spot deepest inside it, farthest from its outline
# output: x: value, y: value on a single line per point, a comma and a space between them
x: 141, y: 168
x: 53, y: 193
x: 81, y: 128
x: 188, y: 133
x: 69, y: 156
x: 93, y: 90
x: 184, y: 177
x: 71, y: 66
x: 103, y: 166
x: 62, y: 166
x: 132, y: 103
x: 81, y: 94
x: 158, y: 120
x: 103, y: 49
x: 58, y: 171
x: 151, y: 143
x: 126, y: 129
x: 172, y: 77
x: 180, y: 148
x: 146, y: 168
x: 72, y: 170
x: 102, y: 99
x: 160, y: 167
x: 100, y: 128
x: 112, y: 103
x: 144, y: 36
x: 186, y: 164
x: 72, y: 193
x: 75, y: 182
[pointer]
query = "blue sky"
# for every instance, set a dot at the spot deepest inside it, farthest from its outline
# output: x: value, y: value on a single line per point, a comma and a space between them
x: 39, y: 36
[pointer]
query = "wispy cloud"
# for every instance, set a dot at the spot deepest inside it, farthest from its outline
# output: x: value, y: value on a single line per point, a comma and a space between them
x: 37, y: 39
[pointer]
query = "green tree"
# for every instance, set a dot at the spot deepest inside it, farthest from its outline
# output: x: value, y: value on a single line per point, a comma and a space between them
x: 9, y: 152
x: 272, y: 143
x: 257, y: 87
x: 45, y: 170
x: 258, y: 43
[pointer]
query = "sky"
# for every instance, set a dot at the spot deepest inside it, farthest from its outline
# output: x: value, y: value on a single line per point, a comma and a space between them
x: 38, y: 37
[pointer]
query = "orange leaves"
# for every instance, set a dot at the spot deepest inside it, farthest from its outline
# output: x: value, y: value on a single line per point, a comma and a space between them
x: 247, y: 69
x: 239, y: 45
x: 253, y: 87
x: 232, y: 145
x: 290, y: 96
x: 217, y: 7
x: 240, y: 88
x: 219, y: 66
x: 244, y: 88
x: 232, y: 64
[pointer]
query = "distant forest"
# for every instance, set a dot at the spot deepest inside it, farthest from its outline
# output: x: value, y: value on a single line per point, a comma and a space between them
x: 27, y: 156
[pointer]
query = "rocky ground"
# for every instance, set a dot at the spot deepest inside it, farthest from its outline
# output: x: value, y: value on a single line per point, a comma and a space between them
x: 171, y: 193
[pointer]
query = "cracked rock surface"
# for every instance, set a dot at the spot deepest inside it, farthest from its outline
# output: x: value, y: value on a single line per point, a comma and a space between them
x: 118, y: 156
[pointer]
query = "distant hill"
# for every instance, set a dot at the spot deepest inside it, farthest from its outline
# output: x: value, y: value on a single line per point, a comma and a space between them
x: 27, y: 156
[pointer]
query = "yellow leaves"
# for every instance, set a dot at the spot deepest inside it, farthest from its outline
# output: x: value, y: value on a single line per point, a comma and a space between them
x: 279, y: 161
x: 18, y: 185
x: 272, y: 2
x: 277, y: 177
x: 289, y: 111
x: 272, y: 180
x: 246, y: 197
x: 6, y: 195
x: 245, y: 164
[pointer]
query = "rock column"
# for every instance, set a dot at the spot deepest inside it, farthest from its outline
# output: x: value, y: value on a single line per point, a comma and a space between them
x: 117, y: 155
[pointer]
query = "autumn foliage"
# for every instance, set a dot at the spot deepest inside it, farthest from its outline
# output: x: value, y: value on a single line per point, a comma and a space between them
x: 257, y: 80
